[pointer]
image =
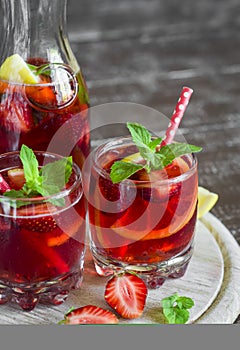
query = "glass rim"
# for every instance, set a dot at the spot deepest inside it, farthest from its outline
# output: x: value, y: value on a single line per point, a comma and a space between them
x: 17, y: 84
x: 99, y: 151
x: 45, y: 84
x: 34, y: 200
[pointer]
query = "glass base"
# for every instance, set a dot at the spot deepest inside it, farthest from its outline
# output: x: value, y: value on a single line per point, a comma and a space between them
x: 154, y: 275
x: 53, y: 292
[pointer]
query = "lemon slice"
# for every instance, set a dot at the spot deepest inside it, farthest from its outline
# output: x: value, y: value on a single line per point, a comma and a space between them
x: 206, y: 201
x: 135, y: 157
x: 15, y: 69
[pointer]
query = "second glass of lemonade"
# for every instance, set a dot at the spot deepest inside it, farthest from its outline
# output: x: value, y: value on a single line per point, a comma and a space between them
x: 144, y: 224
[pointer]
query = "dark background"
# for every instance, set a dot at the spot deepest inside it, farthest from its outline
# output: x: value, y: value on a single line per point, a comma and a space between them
x: 144, y: 51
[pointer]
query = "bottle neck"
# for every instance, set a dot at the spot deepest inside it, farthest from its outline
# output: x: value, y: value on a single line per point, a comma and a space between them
x: 47, y: 27
x: 14, y: 28
x: 35, y: 29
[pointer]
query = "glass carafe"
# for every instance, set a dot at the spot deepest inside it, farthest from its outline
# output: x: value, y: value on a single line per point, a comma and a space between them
x: 50, y: 113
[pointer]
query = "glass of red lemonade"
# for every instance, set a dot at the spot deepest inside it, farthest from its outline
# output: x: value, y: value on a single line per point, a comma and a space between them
x: 42, y: 242
x: 146, y: 223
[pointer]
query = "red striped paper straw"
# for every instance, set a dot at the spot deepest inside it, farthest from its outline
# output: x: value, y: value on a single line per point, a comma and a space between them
x: 176, y: 117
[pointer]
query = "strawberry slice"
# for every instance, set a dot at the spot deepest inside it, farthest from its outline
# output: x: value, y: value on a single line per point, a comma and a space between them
x: 16, y: 114
x: 44, y: 223
x: 16, y: 178
x: 4, y: 186
x: 90, y: 314
x: 126, y: 293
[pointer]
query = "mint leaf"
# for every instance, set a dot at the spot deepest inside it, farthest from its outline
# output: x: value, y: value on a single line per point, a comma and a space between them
x: 16, y: 194
x: 176, y: 315
x: 32, y: 67
x: 48, y: 190
x: 142, y: 138
x: 30, y: 167
x: 174, y: 150
x: 40, y: 70
x: 121, y: 170
x: 140, y: 135
x: 54, y: 177
x: 157, y: 161
x: 186, y: 303
x: 175, y: 308
x: 57, y: 173
x: 154, y: 143
x: 30, y: 163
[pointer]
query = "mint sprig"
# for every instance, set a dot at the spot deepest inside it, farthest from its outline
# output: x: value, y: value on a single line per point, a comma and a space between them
x: 46, y: 181
x: 175, y: 308
x: 152, y: 159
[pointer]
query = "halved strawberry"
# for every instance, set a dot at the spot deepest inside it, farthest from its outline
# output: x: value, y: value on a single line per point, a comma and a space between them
x: 90, y: 314
x: 4, y: 186
x: 16, y: 178
x: 126, y: 293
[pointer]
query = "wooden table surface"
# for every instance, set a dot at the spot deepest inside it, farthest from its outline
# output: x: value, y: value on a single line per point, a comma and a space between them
x: 144, y: 51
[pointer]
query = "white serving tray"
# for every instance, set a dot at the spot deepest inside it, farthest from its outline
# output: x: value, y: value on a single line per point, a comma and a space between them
x: 212, y: 281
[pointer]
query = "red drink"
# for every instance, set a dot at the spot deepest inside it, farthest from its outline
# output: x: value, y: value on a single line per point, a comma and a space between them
x: 31, y: 114
x: 145, y: 223
x: 42, y: 244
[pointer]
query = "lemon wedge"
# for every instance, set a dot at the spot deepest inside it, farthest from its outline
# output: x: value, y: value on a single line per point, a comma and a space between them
x: 15, y: 69
x: 206, y: 201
